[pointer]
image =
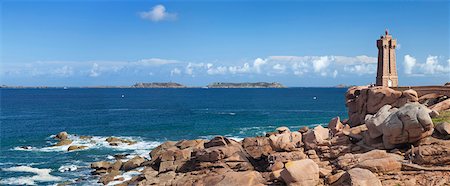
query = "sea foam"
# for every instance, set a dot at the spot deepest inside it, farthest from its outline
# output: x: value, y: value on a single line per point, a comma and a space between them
x: 42, y: 175
x: 141, y: 147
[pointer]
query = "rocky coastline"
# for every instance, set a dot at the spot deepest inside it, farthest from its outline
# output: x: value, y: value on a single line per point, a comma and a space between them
x: 391, y: 138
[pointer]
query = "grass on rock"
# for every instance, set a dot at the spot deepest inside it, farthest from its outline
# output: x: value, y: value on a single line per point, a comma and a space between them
x: 444, y: 116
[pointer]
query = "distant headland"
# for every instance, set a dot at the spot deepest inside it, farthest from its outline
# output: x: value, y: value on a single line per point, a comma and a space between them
x: 164, y: 85
x: 158, y: 85
x: 246, y: 85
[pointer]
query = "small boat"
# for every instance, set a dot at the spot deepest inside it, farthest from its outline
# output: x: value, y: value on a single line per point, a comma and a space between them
x: 123, y: 96
x: 314, y: 98
x: 65, y: 88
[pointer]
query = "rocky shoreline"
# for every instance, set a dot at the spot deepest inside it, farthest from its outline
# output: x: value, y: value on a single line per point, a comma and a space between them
x: 390, y: 138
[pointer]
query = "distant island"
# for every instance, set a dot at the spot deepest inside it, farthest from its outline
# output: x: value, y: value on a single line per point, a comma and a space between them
x: 245, y: 85
x: 344, y: 86
x: 158, y: 85
x: 162, y: 85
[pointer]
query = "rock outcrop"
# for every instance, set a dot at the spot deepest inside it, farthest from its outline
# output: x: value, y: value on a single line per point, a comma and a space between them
x: 365, y: 100
x: 409, y: 124
x: 358, y: 177
x: 300, y: 173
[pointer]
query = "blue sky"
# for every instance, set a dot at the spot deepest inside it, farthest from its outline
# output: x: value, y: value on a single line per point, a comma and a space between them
x: 297, y: 43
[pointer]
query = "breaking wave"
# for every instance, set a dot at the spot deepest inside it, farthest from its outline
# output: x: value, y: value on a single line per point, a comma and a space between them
x: 41, y: 175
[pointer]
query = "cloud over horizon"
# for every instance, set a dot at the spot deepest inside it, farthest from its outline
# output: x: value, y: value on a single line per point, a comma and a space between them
x: 432, y: 66
x: 261, y: 68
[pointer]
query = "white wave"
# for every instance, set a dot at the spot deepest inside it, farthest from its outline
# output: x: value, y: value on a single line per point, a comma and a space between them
x: 126, y: 175
x: 97, y: 142
x: 65, y: 168
x: 24, y: 148
x: 236, y: 138
x: 42, y: 175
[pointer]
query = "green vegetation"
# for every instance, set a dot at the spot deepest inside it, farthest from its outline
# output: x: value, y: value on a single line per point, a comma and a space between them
x: 443, y: 116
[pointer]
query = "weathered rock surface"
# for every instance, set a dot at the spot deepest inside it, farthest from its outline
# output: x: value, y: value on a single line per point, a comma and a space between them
x: 431, y: 99
x: 377, y: 161
x: 443, y: 128
x: 62, y: 135
x: 246, y: 178
x: 441, y: 106
x: 64, y: 142
x: 76, y: 147
x: 114, y: 141
x: 335, y: 125
x: 430, y: 151
x: 409, y: 124
x: 132, y: 163
x: 358, y: 177
x: 257, y: 147
x: 319, y: 136
x: 368, y: 100
x: 375, y: 123
x: 285, y: 140
x: 300, y: 173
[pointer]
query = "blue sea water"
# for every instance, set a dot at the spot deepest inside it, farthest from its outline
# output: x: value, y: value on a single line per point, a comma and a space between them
x: 29, y: 117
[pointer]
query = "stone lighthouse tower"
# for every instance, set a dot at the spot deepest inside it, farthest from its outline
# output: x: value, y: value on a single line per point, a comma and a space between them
x: 386, y: 71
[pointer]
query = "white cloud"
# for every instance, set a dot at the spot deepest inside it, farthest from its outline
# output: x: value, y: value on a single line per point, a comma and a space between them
x: 153, y: 62
x: 279, y: 67
x: 175, y: 71
x: 94, y: 72
x: 430, y: 67
x: 258, y: 63
x: 295, y: 65
x: 221, y: 70
x: 158, y: 13
x: 409, y: 62
x: 361, y: 69
x: 321, y: 63
x: 335, y: 73
x: 64, y: 71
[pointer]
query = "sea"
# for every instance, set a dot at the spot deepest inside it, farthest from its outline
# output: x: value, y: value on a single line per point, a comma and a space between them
x: 32, y: 117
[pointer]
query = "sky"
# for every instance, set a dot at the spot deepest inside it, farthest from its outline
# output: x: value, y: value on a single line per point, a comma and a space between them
x: 296, y: 43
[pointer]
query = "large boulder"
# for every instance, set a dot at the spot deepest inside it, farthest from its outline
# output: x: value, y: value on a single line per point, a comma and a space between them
x: 376, y: 161
x: 194, y: 144
x: 316, y: 137
x: 76, y: 147
x: 285, y: 140
x: 300, y: 173
x: 432, y: 98
x: 368, y: 100
x: 443, y: 128
x: 335, y: 125
x: 162, y: 148
x: 257, y: 147
x: 374, y: 123
x: 218, y: 141
x: 114, y: 141
x: 358, y: 177
x: 441, y: 106
x: 100, y: 167
x: 246, y: 178
x: 133, y: 163
x: 430, y: 151
x: 62, y: 135
x: 409, y: 124
x: 63, y: 142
